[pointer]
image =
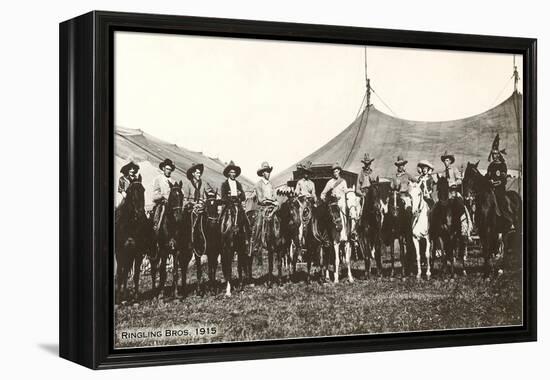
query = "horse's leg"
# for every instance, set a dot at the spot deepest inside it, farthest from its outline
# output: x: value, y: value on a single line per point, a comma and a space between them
x: 392, y: 252
x: 348, y: 260
x: 227, y: 256
x: 378, y: 257
x: 137, y: 273
x: 279, y: 253
x: 427, y: 253
x: 269, y: 268
x: 162, y: 274
x: 402, y: 257
x: 198, y: 265
x: 416, y: 242
x: 336, y: 262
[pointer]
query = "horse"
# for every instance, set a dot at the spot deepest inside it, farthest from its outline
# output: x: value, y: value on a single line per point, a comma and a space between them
x: 489, y: 224
x: 234, y: 238
x: 170, y: 240
x: 369, y: 228
x: 397, y: 225
x: 420, y: 227
x: 446, y: 226
x: 338, y: 227
x: 268, y: 235
x: 132, y: 237
x: 290, y: 228
x: 213, y: 238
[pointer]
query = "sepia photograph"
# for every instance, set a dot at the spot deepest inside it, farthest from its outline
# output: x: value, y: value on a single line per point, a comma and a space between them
x: 269, y: 190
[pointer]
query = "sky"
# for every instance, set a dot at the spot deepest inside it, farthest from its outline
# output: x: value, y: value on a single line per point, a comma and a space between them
x: 258, y: 100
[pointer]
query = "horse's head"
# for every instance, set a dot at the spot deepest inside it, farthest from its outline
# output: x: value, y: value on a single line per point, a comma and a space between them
x: 471, y: 177
x: 135, y: 196
x: 442, y: 188
x: 174, y: 205
x: 416, y: 196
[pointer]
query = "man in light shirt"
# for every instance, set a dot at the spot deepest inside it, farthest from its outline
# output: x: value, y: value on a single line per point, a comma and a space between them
x: 265, y: 193
x: 161, y: 190
x: 337, y: 185
x: 305, y: 190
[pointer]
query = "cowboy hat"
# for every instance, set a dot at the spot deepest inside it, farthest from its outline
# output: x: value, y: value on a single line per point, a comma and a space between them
x: 264, y: 168
x: 448, y: 155
x: 192, y: 169
x: 167, y: 162
x: 425, y: 163
x: 130, y: 165
x: 336, y: 165
x: 232, y: 166
x: 305, y: 167
x: 400, y: 161
x: 367, y: 160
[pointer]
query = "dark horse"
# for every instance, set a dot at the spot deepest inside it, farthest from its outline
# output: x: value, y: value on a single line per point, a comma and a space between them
x: 369, y: 229
x: 170, y: 240
x: 233, y: 239
x: 213, y: 239
x: 133, y: 234
x: 268, y: 236
x: 397, y: 225
x: 291, y: 221
x: 489, y: 223
x: 446, y: 226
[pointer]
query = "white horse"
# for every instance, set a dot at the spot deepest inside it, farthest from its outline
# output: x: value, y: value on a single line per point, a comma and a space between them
x: 420, y: 226
x: 350, y: 210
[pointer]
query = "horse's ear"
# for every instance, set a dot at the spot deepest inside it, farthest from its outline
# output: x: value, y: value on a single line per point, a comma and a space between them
x: 139, y: 178
x: 180, y: 183
x: 476, y: 164
x: 170, y: 184
x: 377, y: 179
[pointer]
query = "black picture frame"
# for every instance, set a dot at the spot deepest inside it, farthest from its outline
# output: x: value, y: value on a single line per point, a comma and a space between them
x: 86, y: 182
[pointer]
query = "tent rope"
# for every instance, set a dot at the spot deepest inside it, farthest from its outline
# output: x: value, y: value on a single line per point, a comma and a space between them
x: 383, y: 102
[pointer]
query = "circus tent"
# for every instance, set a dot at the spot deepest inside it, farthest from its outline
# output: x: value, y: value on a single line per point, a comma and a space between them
x: 385, y: 136
x: 148, y: 151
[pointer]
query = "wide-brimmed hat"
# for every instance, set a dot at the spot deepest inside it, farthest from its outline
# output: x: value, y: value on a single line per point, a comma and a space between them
x: 400, y: 161
x: 232, y: 166
x: 367, y: 160
x: 448, y: 155
x: 130, y: 165
x: 305, y: 167
x: 336, y: 165
x: 192, y: 169
x: 167, y: 162
x: 264, y: 168
x: 426, y: 163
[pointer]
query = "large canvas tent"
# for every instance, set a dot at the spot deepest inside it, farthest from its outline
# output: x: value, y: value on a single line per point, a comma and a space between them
x: 148, y: 151
x: 385, y: 136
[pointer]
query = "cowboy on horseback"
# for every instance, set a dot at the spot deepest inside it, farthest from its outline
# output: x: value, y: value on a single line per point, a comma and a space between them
x: 497, y: 173
x: 336, y: 186
x: 129, y: 174
x: 161, y: 190
x: 401, y: 179
x: 232, y: 193
x: 366, y: 177
x: 453, y: 175
x: 265, y: 198
x: 454, y: 179
x: 195, y: 190
x: 426, y: 181
x: 305, y: 190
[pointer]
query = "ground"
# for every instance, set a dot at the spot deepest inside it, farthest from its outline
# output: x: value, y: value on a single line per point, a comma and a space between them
x: 297, y: 309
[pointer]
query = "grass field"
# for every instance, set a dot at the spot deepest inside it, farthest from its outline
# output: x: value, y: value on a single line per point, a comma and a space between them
x: 296, y: 309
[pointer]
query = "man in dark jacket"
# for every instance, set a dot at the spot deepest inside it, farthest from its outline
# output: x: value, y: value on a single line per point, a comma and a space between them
x: 497, y: 173
x: 232, y: 193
